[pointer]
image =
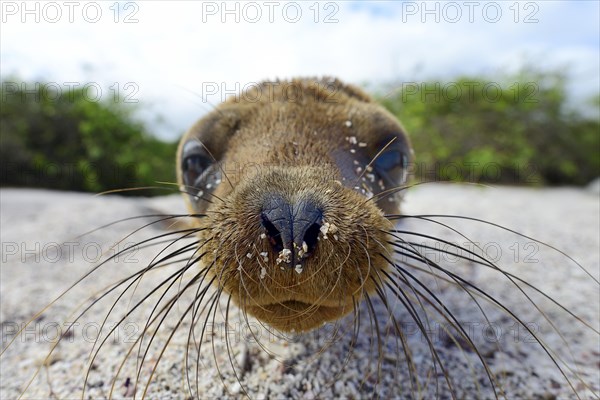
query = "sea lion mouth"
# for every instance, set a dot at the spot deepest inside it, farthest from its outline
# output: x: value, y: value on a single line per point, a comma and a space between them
x: 299, y: 301
x: 300, y: 305
x: 292, y: 304
x: 295, y: 315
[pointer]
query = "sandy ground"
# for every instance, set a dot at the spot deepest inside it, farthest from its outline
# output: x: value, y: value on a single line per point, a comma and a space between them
x: 43, y: 254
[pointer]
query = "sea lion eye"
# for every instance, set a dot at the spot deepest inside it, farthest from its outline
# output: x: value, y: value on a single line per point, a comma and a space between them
x: 388, y: 160
x: 391, y: 166
x: 193, y: 166
x: 195, y: 163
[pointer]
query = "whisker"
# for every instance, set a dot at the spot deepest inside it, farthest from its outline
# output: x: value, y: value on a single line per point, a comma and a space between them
x: 228, y: 346
x: 173, y: 331
x: 172, y: 277
x: 158, y: 315
x: 136, y: 281
x: 424, y: 216
x: 370, y: 164
x: 486, y: 263
x: 496, y: 268
x: 514, y: 316
x: 399, y: 333
x: 455, y: 323
x: 201, y: 276
x: 195, y: 193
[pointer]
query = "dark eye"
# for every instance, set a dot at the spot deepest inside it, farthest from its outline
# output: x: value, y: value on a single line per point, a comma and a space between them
x: 391, y: 166
x: 388, y: 160
x: 195, y: 162
x: 193, y: 166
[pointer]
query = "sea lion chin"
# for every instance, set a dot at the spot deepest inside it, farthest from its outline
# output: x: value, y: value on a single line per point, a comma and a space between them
x: 294, y: 190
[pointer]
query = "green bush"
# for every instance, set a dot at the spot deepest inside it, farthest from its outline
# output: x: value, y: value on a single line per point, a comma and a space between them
x: 66, y: 140
x: 517, y: 129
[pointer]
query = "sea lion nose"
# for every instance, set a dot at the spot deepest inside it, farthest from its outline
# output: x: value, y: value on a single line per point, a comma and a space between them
x: 292, y: 228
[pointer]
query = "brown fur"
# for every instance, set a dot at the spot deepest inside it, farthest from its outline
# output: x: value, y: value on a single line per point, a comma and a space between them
x: 294, y: 138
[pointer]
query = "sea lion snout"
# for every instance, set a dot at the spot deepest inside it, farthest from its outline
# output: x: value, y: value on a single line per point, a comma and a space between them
x: 292, y: 226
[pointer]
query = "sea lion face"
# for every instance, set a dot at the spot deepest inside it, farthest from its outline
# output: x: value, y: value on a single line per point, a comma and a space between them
x: 294, y: 196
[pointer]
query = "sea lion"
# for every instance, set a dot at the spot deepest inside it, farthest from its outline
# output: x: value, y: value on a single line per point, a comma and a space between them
x: 292, y: 176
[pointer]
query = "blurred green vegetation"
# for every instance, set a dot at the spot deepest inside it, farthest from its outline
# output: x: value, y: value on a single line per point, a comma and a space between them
x: 514, y: 129
x: 65, y: 139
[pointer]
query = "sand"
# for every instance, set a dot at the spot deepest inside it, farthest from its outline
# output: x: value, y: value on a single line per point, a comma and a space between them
x: 43, y: 254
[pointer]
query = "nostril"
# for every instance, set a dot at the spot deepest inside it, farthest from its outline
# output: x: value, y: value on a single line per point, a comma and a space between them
x: 292, y: 226
x: 273, y: 234
x: 311, y: 236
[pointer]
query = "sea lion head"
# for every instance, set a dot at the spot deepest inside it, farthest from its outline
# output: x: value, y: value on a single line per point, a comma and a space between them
x: 293, y: 178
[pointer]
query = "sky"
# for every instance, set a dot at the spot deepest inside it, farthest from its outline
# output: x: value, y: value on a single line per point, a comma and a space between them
x: 177, y: 59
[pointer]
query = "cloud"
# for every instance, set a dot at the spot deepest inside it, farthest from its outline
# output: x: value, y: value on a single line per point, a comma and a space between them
x: 175, y: 47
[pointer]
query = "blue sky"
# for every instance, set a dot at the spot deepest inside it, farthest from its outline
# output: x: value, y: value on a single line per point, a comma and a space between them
x: 172, y: 52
